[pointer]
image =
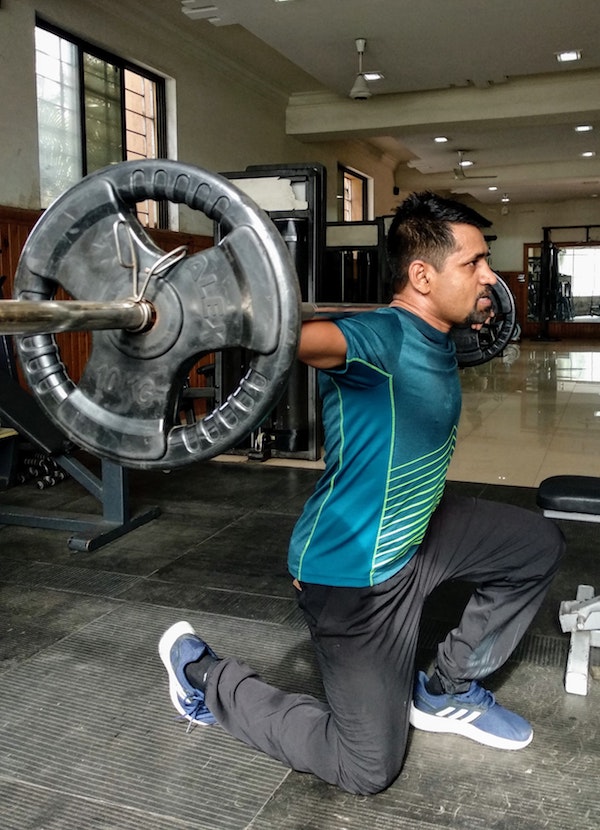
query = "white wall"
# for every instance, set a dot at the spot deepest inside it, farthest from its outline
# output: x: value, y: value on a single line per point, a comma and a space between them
x: 19, y: 179
x: 524, y: 224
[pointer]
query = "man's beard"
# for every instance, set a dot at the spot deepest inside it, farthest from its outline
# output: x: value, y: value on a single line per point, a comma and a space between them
x: 478, y: 316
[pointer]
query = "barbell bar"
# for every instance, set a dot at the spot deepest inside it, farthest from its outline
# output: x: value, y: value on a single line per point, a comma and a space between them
x: 153, y: 314
x: 53, y: 316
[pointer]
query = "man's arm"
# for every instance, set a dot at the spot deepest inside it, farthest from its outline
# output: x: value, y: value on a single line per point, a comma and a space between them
x: 322, y: 345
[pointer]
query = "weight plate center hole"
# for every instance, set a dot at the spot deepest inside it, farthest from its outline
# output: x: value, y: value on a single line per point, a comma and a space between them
x: 163, y: 320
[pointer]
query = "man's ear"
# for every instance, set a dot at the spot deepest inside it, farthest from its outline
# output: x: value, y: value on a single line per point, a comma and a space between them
x: 418, y: 275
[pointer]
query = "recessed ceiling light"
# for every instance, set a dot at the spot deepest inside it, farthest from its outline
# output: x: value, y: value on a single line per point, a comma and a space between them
x: 588, y: 154
x: 492, y: 187
x: 371, y: 76
x: 440, y: 139
x: 465, y: 163
x: 569, y: 55
x: 583, y: 128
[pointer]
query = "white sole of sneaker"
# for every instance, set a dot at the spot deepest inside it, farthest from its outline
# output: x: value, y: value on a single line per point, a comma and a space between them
x: 432, y: 723
x: 164, y: 649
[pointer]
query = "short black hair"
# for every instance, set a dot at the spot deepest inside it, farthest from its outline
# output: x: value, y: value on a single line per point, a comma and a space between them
x: 421, y: 230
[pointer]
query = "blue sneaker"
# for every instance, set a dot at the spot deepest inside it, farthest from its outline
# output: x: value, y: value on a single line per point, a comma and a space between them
x: 474, y: 714
x: 179, y: 646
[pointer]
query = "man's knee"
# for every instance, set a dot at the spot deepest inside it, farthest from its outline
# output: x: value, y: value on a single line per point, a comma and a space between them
x: 543, y: 546
x: 363, y: 779
x: 367, y: 784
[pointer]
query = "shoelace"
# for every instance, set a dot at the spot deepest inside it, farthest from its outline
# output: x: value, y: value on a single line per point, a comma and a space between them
x: 478, y: 696
x: 195, y: 706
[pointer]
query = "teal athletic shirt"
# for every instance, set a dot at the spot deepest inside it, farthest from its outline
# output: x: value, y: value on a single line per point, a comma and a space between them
x: 390, y: 417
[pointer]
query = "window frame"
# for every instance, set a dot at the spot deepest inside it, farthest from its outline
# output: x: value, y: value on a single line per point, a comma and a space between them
x: 84, y: 46
x: 343, y: 172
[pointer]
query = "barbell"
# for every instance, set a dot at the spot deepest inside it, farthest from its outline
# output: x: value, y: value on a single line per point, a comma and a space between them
x: 153, y: 315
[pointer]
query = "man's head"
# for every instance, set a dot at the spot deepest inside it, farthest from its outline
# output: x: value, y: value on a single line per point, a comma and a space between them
x: 422, y: 229
x: 438, y: 256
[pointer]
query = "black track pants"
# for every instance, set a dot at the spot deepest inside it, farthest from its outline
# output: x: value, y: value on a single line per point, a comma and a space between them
x: 366, y: 638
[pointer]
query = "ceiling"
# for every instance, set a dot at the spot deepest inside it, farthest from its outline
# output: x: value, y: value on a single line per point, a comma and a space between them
x: 483, y: 73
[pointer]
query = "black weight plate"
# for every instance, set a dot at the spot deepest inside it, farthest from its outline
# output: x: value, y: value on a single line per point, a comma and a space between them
x: 241, y: 293
x: 475, y: 347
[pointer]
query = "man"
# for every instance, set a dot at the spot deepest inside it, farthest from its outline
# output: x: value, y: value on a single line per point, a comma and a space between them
x: 379, y: 534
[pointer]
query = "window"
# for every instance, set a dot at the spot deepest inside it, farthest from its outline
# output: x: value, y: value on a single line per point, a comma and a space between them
x: 582, y: 266
x: 94, y: 109
x: 353, y: 196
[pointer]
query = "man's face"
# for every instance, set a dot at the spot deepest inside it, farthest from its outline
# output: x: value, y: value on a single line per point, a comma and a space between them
x: 461, y: 289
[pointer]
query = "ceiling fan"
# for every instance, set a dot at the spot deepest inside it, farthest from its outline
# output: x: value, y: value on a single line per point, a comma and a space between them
x: 459, y: 170
x: 360, y: 91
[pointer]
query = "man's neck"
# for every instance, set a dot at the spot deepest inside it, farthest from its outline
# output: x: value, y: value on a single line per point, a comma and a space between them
x: 419, y: 310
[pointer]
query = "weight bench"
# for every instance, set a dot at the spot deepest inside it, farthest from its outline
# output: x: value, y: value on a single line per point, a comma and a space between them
x: 576, y: 498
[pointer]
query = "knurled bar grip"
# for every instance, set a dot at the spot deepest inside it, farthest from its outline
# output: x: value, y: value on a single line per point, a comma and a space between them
x: 50, y: 316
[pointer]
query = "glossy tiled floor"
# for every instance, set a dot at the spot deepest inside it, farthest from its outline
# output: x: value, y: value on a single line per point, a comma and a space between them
x: 531, y: 414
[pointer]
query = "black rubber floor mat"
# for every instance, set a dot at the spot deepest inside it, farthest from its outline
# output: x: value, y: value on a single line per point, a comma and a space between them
x: 70, y: 578
x: 26, y: 807
x: 88, y: 738
x: 89, y: 720
x: 450, y: 782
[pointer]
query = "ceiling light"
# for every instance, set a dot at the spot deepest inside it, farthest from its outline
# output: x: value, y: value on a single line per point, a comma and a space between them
x: 196, y: 11
x: 506, y: 198
x: 492, y: 187
x: 372, y: 76
x: 583, y: 128
x: 588, y: 154
x: 440, y: 139
x: 465, y: 163
x: 567, y: 56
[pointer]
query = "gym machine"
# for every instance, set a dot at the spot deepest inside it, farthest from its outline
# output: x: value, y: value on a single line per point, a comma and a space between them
x: 549, y: 300
x: 294, y: 199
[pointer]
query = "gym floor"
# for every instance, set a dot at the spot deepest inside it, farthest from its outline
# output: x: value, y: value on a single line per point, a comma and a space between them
x: 89, y: 739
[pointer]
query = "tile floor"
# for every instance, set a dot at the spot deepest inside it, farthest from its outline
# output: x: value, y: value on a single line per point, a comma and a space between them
x: 531, y: 414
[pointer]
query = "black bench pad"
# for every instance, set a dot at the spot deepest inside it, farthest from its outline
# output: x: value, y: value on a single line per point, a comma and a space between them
x: 570, y: 494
